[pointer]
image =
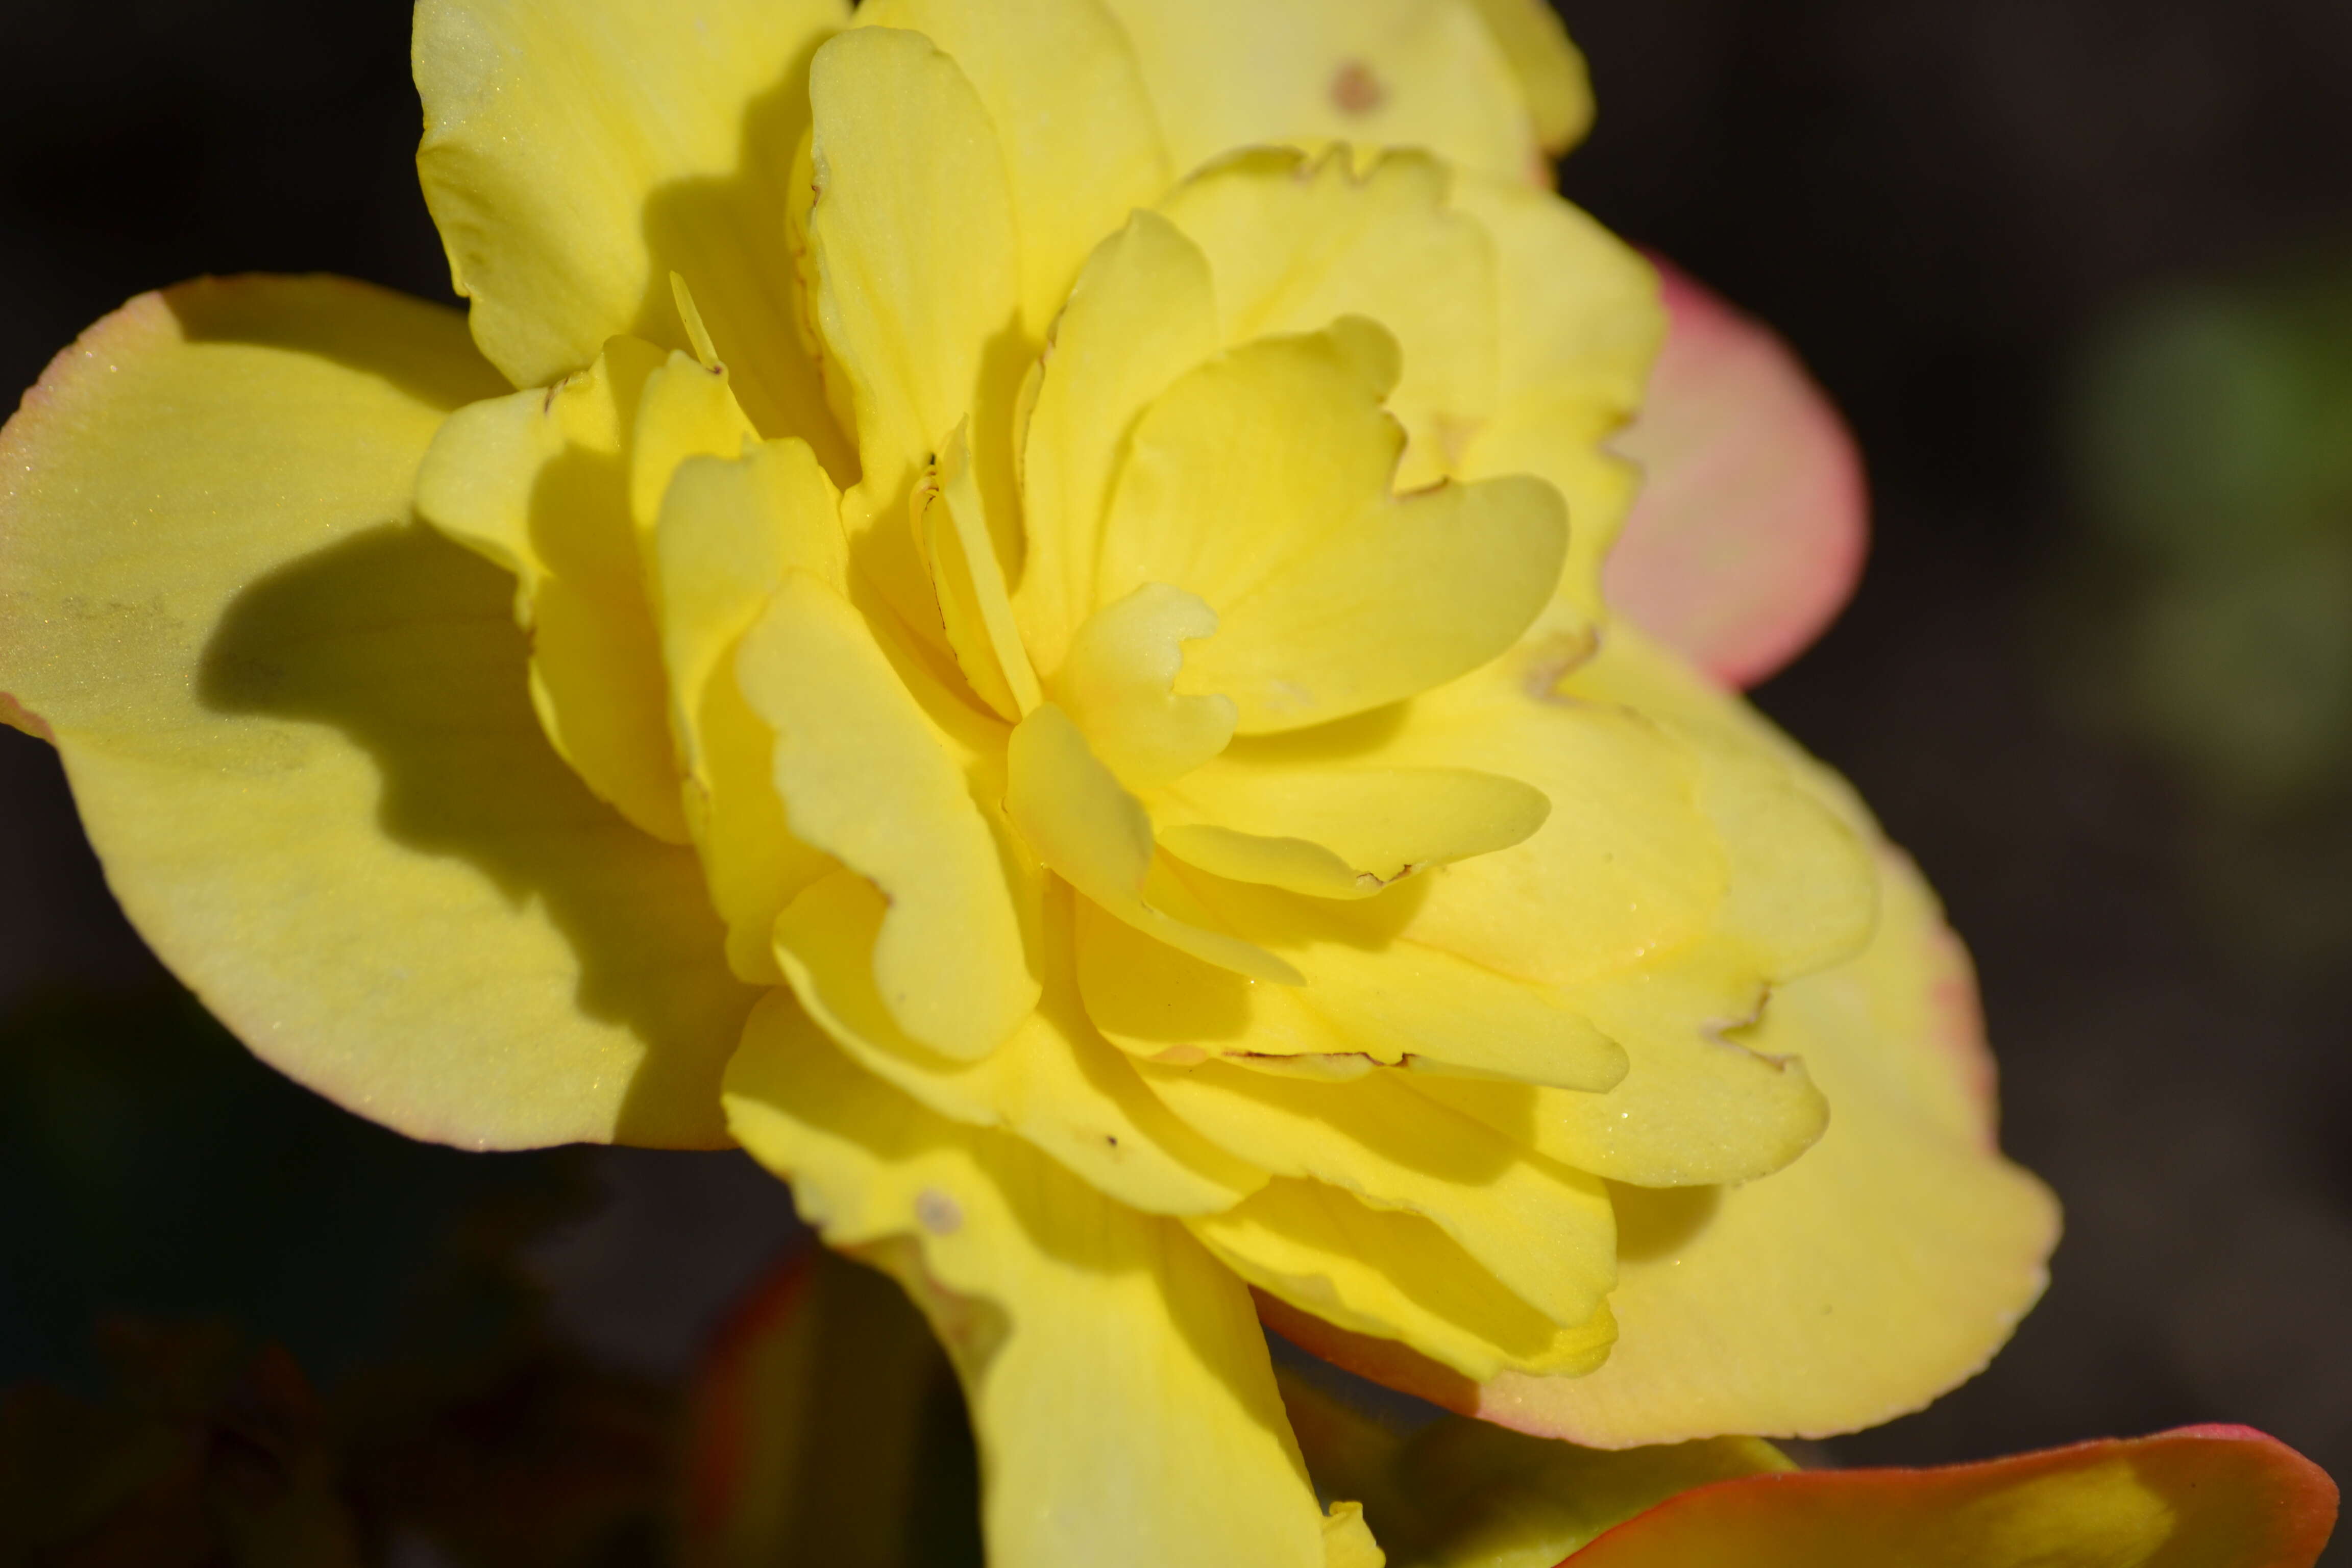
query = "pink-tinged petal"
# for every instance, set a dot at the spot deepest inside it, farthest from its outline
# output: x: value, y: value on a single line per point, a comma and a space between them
x: 1754, y: 516
x: 2202, y: 1496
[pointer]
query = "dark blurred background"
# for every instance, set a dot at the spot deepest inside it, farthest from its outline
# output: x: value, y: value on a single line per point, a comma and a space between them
x: 2079, y: 272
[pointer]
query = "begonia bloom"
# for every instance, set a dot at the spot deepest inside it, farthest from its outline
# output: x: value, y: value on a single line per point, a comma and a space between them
x: 1063, y: 698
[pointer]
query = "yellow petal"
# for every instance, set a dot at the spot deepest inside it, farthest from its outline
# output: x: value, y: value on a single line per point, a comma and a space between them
x: 1423, y: 73
x: 1055, y: 1081
x: 1697, y: 1104
x: 916, y: 283
x: 1545, y: 1231
x: 975, y: 610
x: 1369, y: 998
x: 1866, y: 1278
x: 1391, y: 1273
x: 1118, y: 686
x: 1456, y: 1493
x: 1682, y: 872
x: 1142, y: 313
x: 867, y: 777
x: 1117, y: 1376
x: 687, y: 411
x: 1581, y: 325
x: 1341, y: 832
x: 295, y: 726
x: 537, y: 481
x: 1075, y: 818
x: 1332, y: 595
x: 1296, y: 243
x: 1872, y: 1274
x: 1625, y: 864
x: 729, y: 531
x: 1348, y: 1541
x: 1550, y: 68
x: 577, y: 152
x: 1081, y: 147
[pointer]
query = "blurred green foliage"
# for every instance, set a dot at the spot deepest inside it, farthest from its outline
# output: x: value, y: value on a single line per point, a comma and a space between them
x: 2207, y: 613
x: 2213, y: 440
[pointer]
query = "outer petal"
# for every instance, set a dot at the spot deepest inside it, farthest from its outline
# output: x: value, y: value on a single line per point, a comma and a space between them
x: 1754, y: 515
x: 576, y: 152
x: 1118, y: 1383
x: 296, y: 729
x: 1081, y: 147
x: 1416, y: 73
x: 1884, y: 1267
x: 2214, y: 1497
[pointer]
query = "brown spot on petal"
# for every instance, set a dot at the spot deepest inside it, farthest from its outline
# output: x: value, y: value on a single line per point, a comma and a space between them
x: 1355, y: 91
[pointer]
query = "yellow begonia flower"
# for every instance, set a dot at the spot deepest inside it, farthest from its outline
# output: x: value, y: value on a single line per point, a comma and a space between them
x: 1066, y: 581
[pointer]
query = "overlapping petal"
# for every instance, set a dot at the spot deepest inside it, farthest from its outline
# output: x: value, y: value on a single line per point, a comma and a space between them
x: 1874, y: 1273
x: 1116, y: 1375
x: 296, y: 728
x: 575, y: 155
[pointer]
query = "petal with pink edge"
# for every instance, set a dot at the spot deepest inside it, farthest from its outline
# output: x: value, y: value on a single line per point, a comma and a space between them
x: 1753, y: 519
x: 2202, y: 1496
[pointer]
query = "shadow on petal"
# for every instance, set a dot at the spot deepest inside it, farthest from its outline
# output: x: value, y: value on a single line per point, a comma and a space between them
x: 406, y: 643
